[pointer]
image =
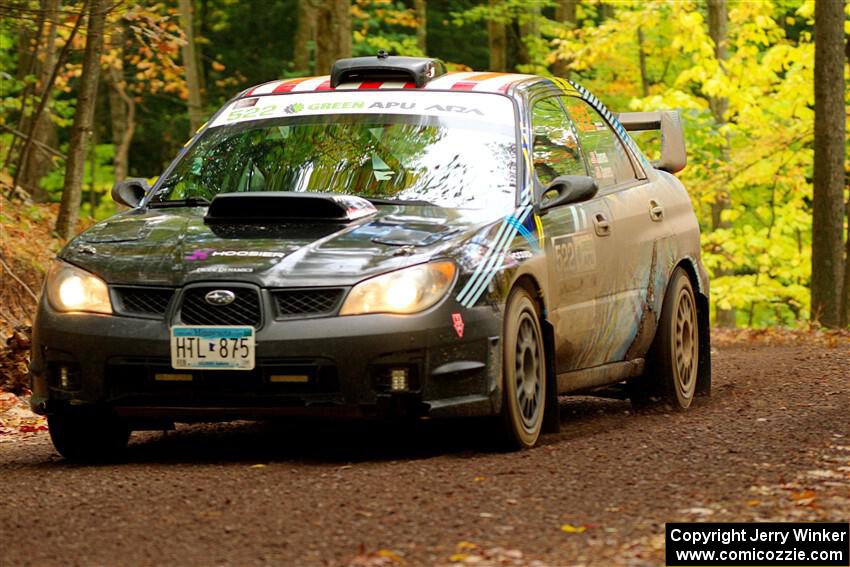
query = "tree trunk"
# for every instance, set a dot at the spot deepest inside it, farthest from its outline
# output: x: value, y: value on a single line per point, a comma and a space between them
x: 198, y: 42
x: 529, y: 30
x: 190, y: 62
x: 718, y: 30
x: 92, y: 171
x: 28, y: 40
x: 305, y: 38
x: 498, y: 41
x: 123, y: 121
x: 845, y: 289
x: 122, y: 108
x: 421, y: 9
x: 69, y: 210
x: 45, y: 94
x: 644, y: 80
x: 37, y: 162
x: 333, y: 41
x: 828, y: 213
x: 565, y: 12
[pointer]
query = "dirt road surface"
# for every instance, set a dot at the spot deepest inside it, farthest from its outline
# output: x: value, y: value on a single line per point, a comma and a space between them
x: 773, y: 443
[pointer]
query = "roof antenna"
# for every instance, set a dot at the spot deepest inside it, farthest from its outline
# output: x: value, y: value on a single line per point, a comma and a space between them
x: 382, y: 54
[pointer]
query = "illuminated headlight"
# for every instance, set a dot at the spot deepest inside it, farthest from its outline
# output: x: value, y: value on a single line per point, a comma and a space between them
x: 406, y: 291
x: 71, y: 289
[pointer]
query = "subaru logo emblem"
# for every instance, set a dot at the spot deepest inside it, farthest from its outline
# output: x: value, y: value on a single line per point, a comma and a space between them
x: 220, y: 297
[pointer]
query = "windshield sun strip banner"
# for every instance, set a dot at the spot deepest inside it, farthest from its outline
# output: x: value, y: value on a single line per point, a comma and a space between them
x: 476, y: 106
x: 456, y: 81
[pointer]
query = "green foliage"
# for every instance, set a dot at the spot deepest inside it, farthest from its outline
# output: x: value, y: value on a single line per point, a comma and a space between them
x: 464, y: 44
x: 758, y: 157
x: 96, y: 201
x: 250, y: 42
x: 383, y: 24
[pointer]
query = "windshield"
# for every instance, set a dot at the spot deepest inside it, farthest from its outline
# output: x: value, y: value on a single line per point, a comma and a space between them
x: 449, y: 161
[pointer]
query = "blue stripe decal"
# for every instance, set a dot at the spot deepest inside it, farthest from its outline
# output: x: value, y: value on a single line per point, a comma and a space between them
x: 525, y: 233
x: 480, y: 268
x: 495, y: 262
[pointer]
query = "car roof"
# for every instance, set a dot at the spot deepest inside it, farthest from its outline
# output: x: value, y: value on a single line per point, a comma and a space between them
x: 455, y: 81
x: 468, y: 81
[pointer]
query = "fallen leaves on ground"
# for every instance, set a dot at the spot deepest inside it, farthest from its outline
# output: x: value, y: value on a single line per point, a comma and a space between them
x: 571, y: 529
x: 468, y: 553
x: 27, y: 246
x: 14, y: 360
x: 831, y: 338
x: 379, y: 558
x: 16, y: 417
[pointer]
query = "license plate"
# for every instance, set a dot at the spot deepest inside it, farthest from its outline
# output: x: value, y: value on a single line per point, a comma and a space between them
x: 212, y: 348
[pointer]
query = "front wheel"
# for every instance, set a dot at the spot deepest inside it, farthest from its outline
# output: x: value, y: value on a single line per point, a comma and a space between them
x: 523, y: 371
x: 88, y: 436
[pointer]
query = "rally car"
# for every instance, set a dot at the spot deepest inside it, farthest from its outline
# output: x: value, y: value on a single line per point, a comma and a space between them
x: 392, y: 240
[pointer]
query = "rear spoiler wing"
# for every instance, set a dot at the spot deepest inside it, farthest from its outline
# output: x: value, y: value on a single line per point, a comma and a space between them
x: 673, y: 154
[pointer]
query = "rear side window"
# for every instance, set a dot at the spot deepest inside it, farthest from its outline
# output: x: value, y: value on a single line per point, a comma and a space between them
x: 606, y: 157
x: 555, y: 147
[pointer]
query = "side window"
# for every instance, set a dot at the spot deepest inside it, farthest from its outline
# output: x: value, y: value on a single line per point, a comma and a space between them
x: 606, y: 157
x: 555, y: 147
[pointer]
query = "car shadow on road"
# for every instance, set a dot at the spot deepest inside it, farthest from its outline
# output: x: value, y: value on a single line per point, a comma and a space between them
x: 330, y: 441
x: 344, y: 441
x: 319, y: 441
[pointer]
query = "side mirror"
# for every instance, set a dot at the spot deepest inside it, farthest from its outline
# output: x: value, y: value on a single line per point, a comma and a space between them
x: 570, y: 189
x: 131, y: 191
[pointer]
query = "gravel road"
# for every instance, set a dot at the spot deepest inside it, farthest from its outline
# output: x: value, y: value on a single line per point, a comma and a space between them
x: 773, y: 443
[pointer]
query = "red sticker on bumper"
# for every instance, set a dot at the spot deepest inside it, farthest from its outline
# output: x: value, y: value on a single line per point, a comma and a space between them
x: 457, y: 322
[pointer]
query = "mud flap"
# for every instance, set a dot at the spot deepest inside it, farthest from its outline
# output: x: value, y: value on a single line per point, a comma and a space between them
x: 704, y: 370
x: 551, y: 412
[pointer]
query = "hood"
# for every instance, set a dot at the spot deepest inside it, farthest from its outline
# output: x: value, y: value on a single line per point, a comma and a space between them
x: 175, y: 246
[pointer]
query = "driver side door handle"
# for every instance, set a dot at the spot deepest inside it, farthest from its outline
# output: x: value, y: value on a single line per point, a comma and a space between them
x: 601, y: 224
x: 656, y: 211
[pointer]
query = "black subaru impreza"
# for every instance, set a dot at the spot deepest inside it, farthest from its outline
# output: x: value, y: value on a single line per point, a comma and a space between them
x: 390, y: 240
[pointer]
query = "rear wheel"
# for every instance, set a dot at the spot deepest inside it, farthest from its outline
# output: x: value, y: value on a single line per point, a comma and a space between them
x: 673, y: 360
x: 523, y: 371
x: 88, y: 436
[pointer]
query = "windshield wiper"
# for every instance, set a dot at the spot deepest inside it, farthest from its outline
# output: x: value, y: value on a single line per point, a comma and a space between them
x: 187, y: 202
x: 411, y: 202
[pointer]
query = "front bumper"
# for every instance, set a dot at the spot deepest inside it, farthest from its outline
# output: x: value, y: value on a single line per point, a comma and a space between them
x: 113, y: 362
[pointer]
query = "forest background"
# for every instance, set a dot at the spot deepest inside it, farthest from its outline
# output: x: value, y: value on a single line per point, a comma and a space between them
x: 97, y: 90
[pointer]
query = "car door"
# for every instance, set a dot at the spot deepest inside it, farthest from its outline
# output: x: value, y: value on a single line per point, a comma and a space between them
x: 578, y: 242
x: 640, y: 235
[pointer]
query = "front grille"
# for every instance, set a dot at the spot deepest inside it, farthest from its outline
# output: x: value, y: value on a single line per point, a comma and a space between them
x: 307, y: 302
x: 143, y: 301
x: 245, y: 309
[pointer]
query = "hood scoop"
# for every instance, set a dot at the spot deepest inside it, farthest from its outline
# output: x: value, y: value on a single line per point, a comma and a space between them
x: 276, y: 207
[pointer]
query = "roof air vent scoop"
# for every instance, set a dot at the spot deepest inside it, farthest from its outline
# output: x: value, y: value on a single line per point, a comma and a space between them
x: 385, y: 67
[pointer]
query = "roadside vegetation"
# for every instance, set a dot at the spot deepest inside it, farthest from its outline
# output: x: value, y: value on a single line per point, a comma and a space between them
x: 94, y: 91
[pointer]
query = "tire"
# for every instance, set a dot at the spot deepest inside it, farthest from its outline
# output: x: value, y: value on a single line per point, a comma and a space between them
x: 673, y: 360
x: 523, y: 372
x: 88, y: 436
